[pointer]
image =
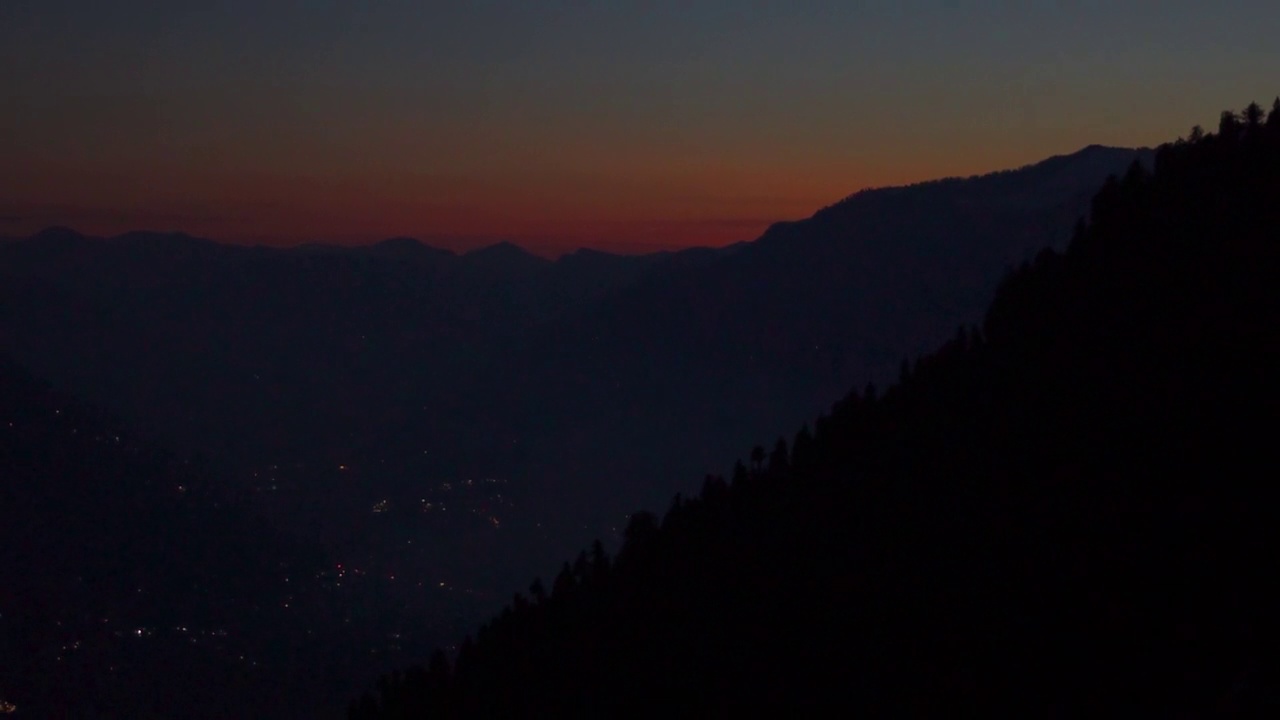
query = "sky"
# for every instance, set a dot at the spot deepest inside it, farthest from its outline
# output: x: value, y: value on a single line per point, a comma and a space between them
x: 625, y: 126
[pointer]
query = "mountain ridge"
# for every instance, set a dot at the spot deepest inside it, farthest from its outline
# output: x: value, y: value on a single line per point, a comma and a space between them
x: 409, y: 245
x: 1056, y: 512
x: 583, y: 387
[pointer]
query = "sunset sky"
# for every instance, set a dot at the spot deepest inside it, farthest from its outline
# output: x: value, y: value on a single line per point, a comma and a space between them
x: 617, y: 125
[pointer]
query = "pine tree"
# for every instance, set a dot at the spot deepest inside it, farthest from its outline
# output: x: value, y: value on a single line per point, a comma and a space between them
x: 779, y: 460
x: 599, y: 558
x: 1254, y: 116
x: 537, y: 592
x: 757, y: 459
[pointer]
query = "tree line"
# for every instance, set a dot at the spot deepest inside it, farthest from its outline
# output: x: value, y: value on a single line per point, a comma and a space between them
x: 1064, y: 509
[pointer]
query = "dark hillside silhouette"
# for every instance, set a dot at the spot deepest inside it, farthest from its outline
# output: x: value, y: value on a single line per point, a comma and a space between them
x: 418, y: 365
x: 436, y: 424
x: 1067, y: 510
x: 692, y: 358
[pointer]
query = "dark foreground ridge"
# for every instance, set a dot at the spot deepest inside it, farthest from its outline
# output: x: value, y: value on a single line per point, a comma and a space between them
x: 1063, y: 511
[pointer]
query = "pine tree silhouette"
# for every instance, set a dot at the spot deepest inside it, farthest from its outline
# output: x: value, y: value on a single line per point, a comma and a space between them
x: 1064, y: 512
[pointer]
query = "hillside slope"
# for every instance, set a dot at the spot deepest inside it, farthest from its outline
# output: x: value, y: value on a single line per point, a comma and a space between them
x: 689, y: 361
x: 590, y: 385
x: 1069, y: 510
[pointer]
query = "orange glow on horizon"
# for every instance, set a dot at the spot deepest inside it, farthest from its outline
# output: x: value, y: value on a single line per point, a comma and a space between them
x: 615, y: 126
x: 657, y: 205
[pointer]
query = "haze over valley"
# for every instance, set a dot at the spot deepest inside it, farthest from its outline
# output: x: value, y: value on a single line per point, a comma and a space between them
x: 452, y: 421
x: 637, y: 359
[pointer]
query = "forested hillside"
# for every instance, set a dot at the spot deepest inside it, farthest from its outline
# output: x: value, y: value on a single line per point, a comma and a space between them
x: 1064, y: 511
x: 414, y: 363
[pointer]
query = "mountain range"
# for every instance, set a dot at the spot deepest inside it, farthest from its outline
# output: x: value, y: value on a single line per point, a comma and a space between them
x: 497, y: 407
x: 1065, y: 510
x: 497, y: 359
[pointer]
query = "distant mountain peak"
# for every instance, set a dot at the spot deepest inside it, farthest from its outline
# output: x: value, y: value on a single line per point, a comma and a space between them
x: 155, y: 237
x: 504, y: 247
x: 1097, y: 148
x: 56, y: 233
x: 504, y: 258
x: 590, y: 252
x: 408, y: 247
x: 401, y: 242
x: 588, y: 256
x: 1076, y: 168
x: 505, y: 251
x: 1092, y: 152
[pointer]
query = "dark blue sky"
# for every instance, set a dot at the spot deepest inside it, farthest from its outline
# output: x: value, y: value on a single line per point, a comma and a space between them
x: 588, y: 123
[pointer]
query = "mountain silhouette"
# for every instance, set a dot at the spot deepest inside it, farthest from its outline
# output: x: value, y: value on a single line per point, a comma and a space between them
x: 495, y: 362
x: 321, y: 383
x: 770, y: 331
x: 1065, y: 509
x: 411, y: 249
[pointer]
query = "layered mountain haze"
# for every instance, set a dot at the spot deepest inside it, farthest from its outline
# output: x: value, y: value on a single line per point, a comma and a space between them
x: 572, y: 359
x: 433, y: 425
x: 1065, y: 510
x: 410, y: 361
x: 774, y: 329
